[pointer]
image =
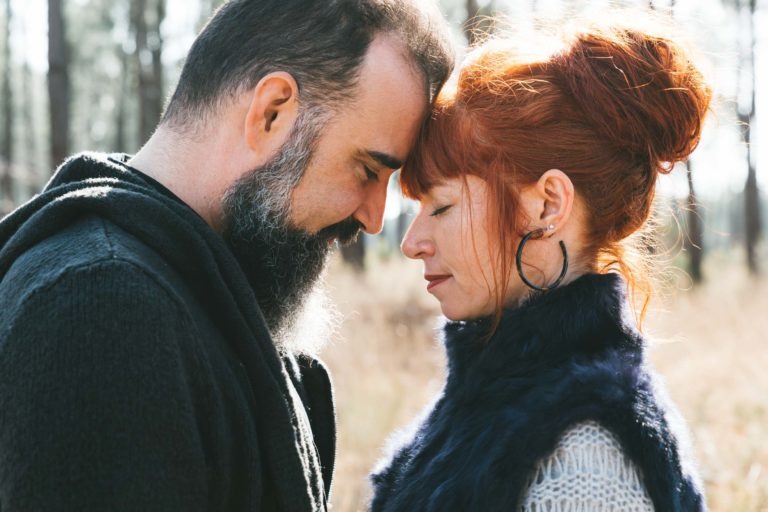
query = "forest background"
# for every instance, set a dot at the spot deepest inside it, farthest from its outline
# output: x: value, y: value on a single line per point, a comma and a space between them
x: 94, y: 75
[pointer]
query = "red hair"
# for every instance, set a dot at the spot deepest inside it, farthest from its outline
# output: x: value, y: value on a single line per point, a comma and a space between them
x: 611, y: 108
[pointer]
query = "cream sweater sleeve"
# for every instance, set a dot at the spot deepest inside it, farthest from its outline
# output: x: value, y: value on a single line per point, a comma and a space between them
x: 588, y: 471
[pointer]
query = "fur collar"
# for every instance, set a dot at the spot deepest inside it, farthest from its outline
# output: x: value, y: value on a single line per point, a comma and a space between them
x: 586, y: 316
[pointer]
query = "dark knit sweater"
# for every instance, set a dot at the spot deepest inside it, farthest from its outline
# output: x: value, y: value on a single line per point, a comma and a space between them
x: 565, y: 357
x: 136, y: 371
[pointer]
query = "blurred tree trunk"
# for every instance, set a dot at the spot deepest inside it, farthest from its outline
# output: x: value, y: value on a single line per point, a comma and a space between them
x: 402, y: 224
x: 747, y: 118
x: 149, y: 49
x: 479, y: 21
x: 470, y: 25
x: 120, y: 143
x: 695, y: 236
x: 6, y: 149
x: 58, y: 82
x: 157, y: 60
x: 694, y: 239
x: 30, y: 129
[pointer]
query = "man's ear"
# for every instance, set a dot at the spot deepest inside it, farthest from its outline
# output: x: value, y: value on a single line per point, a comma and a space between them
x: 549, y: 201
x: 271, y: 113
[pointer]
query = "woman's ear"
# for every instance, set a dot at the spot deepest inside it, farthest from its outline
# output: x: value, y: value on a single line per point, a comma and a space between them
x: 272, y: 111
x: 549, y: 201
x: 558, y: 195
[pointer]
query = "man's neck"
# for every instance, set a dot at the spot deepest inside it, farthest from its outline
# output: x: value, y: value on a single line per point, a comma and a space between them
x: 187, y: 168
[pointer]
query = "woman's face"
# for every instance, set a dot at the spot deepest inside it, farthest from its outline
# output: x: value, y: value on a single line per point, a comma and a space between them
x: 450, y: 235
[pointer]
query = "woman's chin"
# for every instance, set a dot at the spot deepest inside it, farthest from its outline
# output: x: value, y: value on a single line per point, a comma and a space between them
x: 450, y: 312
x: 459, y: 314
x: 452, y: 316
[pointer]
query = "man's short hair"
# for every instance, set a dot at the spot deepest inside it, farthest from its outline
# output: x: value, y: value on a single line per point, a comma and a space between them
x: 321, y: 43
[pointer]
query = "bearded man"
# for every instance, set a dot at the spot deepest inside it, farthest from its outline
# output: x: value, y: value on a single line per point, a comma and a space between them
x: 148, y: 303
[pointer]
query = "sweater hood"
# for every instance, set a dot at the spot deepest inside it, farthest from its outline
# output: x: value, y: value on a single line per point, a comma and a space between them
x: 93, y: 184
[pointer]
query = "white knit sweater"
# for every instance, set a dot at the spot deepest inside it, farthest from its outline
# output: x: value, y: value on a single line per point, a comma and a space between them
x: 587, y: 472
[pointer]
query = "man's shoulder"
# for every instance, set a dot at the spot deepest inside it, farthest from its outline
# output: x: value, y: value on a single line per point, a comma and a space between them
x: 90, y: 244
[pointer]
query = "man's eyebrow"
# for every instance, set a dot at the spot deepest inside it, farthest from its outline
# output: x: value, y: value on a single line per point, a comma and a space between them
x: 385, y: 159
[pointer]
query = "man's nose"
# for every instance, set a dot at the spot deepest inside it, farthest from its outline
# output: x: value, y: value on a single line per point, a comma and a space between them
x: 371, y: 211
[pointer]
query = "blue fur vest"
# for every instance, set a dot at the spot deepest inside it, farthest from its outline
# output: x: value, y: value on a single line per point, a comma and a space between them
x: 562, y: 358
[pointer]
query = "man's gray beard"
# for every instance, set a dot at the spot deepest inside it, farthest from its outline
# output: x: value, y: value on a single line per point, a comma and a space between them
x: 284, y: 264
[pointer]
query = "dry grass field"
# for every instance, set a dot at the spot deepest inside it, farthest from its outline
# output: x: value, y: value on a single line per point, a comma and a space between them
x: 710, y: 346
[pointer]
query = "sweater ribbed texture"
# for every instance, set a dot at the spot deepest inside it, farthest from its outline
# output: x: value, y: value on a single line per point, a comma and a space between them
x: 587, y: 472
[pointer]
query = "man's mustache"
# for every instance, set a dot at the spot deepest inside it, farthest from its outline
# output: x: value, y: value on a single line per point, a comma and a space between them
x: 345, y: 231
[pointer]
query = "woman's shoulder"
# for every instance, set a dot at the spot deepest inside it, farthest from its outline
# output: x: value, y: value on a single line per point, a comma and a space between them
x: 587, y: 470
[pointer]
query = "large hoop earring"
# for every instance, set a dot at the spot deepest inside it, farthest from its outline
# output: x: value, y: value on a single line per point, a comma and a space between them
x: 535, y: 234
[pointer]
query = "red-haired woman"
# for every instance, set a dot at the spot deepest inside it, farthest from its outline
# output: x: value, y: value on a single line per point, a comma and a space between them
x: 532, y: 174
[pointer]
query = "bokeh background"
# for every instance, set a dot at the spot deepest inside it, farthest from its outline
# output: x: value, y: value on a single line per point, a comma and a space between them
x: 94, y: 74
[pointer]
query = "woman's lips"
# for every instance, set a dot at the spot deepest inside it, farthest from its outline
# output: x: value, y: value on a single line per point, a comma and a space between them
x: 435, y: 279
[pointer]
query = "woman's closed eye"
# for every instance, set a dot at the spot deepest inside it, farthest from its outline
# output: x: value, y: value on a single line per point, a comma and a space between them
x: 439, y: 211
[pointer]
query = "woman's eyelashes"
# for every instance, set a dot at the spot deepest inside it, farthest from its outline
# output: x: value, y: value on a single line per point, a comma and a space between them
x: 439, y: 211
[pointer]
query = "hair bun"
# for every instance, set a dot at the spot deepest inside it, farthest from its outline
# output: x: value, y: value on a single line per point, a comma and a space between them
x: 639, y: 91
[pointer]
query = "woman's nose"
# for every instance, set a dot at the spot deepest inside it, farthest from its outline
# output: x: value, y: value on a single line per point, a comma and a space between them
x: 416, y: 243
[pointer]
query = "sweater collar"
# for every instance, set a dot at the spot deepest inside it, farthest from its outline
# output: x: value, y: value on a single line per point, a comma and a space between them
x: 584, y: 317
